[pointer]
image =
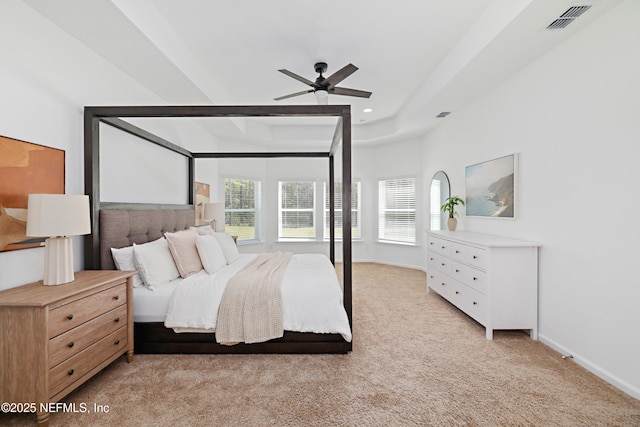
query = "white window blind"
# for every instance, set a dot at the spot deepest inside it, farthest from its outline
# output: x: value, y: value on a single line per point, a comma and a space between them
x: 397, y: 210
x: 241, y: 201
x: 355, y: 211
x: 296, y: 206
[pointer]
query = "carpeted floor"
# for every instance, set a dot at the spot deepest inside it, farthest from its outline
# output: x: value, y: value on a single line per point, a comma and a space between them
x: 416, y: 361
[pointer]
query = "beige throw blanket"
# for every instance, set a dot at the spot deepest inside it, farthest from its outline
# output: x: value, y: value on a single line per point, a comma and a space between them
x: 251, y: 307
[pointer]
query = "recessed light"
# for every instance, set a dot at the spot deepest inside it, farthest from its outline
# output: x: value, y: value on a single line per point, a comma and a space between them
x: 367, y: 110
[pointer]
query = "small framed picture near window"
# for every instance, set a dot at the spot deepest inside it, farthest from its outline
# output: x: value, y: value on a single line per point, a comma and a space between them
x: 491, y: 188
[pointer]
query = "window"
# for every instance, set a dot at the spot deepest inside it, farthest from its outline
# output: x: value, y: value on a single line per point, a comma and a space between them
x: 397, y: 210
x: 435, y: 217
x: 296, y: 210
x: 355, y: 211
x: 241, y: 201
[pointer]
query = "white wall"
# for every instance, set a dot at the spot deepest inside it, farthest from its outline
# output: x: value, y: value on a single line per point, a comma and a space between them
x: 573, y: 117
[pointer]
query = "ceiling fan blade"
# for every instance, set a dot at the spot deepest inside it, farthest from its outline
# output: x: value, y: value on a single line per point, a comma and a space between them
x: 291, y: 95
x: 349, y: 92
x: 340, y: 75
x: 297, y: 77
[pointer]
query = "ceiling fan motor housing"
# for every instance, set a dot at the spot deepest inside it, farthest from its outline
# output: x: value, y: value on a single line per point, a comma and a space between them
x: 320, y: 67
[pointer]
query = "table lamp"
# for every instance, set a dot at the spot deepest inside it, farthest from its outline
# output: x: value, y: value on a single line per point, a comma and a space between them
x: 214, y: 213
x: 58, y: 216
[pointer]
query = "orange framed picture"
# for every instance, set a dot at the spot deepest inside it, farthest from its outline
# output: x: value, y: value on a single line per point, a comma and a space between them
x: 25, y: 168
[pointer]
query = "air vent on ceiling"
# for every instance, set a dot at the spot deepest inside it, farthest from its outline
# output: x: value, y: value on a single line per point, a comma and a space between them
x: 443, y: 114
x: 567, y: 17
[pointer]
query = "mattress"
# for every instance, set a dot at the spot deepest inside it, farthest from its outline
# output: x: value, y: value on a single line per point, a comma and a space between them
x: 311, y: 297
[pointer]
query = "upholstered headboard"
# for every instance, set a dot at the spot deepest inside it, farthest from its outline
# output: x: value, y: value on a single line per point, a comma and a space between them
x: 120, y: 228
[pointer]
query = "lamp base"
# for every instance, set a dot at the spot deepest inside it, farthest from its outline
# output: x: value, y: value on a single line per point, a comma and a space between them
x: 58, y: 261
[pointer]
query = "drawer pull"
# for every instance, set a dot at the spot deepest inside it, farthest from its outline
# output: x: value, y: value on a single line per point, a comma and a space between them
x: 71, y: 344
x: 117, y: 319
x: 430, y: 277
x: 474, y: 257
x: 443, y: 264
x: 116, y: 298
x: 442, y: 247
x: 117, y: 342
x: 442, y: 283
x: 475, y: 303
x: 457, y: 252
x: 457, y: 271
x: 475, y: 278
x: 70, y: 316
x: 457, y: 292
x: 70, y: 372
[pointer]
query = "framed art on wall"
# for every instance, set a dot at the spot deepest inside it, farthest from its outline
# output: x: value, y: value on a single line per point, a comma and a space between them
x: 25, y: 168
x: 491, y: 188
x: 202, y: 191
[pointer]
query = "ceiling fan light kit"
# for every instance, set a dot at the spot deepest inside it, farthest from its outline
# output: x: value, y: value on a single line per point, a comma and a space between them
x: 323, y: 86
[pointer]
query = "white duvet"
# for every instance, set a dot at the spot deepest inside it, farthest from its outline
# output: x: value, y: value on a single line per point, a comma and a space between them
x: 311, y: 297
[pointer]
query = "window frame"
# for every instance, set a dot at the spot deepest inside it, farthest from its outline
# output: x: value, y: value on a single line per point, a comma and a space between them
x: 256, y: 210
x: 281, y: 210
x: 410, y: 236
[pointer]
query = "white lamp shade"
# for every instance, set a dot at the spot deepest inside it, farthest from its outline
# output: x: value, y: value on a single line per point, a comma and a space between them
x: 51, y: 215
x: 215, y: 212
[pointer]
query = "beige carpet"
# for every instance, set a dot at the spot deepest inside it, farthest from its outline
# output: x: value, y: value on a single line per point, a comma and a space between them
x: 416, y: 361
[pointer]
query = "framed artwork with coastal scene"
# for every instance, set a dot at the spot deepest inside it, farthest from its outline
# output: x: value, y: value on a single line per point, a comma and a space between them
x: 25, y: 168
x: 491, y: 188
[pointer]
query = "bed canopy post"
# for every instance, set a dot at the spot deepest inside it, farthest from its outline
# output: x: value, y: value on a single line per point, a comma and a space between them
x: 346, y: 210
x: 92, y: 186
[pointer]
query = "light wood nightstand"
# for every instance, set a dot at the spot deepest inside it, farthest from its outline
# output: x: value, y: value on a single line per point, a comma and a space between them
x: 54, y: 338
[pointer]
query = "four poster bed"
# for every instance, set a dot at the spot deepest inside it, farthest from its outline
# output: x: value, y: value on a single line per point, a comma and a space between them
x: 125, y: 227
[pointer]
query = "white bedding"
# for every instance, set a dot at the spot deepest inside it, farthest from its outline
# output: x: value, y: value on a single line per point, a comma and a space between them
x: 311, y: 298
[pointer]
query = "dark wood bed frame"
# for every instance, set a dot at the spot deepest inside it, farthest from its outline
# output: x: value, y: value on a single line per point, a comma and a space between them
x: 154, y: 337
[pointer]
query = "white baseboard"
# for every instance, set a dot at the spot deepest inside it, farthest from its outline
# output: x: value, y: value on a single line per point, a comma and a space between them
x: 594, y: 369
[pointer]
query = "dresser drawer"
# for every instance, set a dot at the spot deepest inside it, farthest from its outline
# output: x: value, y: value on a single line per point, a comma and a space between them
x: 458, y: 252
x: 65, y: 317
x: 477, y: 257
x: 440, y: 246
x: 473, y: 277
x: 438, y: 262
x: 441, y: 283
x: 470, y: 301
x: 73, y: 369
x: 77, y: 339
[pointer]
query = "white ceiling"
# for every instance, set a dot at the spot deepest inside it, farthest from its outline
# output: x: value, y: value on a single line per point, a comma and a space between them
x: 418, y: 57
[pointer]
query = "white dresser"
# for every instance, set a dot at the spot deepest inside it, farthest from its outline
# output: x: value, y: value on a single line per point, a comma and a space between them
x: 492, y: 279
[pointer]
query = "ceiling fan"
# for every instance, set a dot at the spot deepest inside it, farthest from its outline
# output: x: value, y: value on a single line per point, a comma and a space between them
x: 323, y: 86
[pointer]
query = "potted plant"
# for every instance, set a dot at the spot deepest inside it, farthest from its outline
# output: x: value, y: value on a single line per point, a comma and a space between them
x: 449, y: 206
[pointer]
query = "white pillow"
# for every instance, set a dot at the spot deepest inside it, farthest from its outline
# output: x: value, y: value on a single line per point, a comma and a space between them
x: 203, y: 229
x: 210, y: 253
x: 123, y: 259
x: 228, y: 246
x: 155, y: 263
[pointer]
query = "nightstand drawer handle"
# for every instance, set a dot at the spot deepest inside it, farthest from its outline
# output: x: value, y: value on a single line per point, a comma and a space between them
x: 70, y: 372
x: 70, y: 316
x: 117, y: 342
x: 117, y: 319
x: 117, y: 297
x: 71, y: 344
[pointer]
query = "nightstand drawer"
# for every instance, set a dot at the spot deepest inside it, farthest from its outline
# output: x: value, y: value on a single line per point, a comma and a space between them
x: 74, y: 368
x: 68, y: 316
x: 77, y: 339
